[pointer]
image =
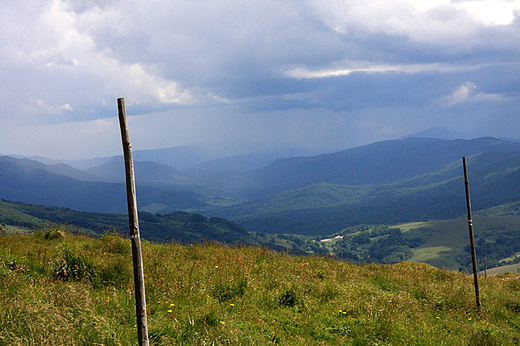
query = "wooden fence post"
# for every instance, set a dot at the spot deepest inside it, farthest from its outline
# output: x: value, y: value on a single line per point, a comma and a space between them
x: 471, y: 238
x: 485, y: 261
x: 140, y: 301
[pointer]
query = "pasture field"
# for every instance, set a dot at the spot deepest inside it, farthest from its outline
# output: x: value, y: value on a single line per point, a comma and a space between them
x: 62, y: 289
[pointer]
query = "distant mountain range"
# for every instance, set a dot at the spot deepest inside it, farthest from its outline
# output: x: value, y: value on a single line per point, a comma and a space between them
x: 442, y: 133
x: 60, y: 185
x: 385, y: 182
x: 188, y: 158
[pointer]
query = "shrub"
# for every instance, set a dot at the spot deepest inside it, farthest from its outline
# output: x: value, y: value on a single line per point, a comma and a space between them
x: 289, y: 298
x: 226, y: 291
x: 73, y: 267
x: 114, y: 243
x: 117, y: 273
x: 52, y: 232
x: 485, y: 336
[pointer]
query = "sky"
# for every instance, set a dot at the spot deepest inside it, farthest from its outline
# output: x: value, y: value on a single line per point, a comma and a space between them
x: 248, y: 75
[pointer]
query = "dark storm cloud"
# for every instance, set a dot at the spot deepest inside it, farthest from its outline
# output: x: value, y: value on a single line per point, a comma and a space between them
x: 373, y: 69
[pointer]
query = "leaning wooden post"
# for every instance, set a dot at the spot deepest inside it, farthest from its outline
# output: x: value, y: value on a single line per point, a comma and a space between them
x: 485, y: 261
x: 140, y: 301
x: 471, y: 238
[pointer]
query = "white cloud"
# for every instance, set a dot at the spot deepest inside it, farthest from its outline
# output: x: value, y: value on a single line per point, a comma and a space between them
x: 40, y: 107
x: 466, y: 92
x: 341, y: 69
x: 438, y: 21
x: 66, y: 61
x: 138, y: 85
x: 491, y: 12
x: 55, y: 44
x: 461, y: 94
x: 417, y: 20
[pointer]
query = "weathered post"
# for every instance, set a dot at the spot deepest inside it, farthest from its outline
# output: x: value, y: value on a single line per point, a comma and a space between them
x: 485, y: 261
x: 471, y: 238
x: 140, y: 301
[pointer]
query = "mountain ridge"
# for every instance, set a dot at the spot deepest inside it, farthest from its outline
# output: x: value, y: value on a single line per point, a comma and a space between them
x: 383, y: 182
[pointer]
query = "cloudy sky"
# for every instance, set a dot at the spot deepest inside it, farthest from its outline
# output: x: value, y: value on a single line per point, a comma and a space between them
x: 247, y: 74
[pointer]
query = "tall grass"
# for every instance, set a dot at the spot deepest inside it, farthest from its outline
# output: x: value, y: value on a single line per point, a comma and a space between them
x: 75, y: 290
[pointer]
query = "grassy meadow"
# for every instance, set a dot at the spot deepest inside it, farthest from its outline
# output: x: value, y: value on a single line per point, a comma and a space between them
x: 57, y: 288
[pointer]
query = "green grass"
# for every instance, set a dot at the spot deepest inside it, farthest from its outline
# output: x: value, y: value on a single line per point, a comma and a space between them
x: 62, y: 289
x: 508, y: 209
x: 430, y: 254
x: 10, y: 229
x: 445, y: 240
x: 511, y: 268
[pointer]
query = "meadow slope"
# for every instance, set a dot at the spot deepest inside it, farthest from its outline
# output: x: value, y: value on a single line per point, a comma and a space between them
x: 62, y: 289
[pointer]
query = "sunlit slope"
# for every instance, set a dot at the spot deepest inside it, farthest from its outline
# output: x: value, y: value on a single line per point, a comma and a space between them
x: 59, y: 289
x: 325, y: 208
x: 446, y: 242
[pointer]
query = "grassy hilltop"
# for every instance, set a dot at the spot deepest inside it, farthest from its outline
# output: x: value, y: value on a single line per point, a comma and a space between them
x: 63, y: 289
x: 441, y: 243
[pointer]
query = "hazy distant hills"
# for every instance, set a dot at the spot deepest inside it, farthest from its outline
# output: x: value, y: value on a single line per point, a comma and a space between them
x: 384, y: 182
x: 147, y: 171
x: 59, y: 185
x: 378, y: 163
x: 248, y: 162
x: 442, y: 133
x: 181, y: 226
x: 180, y: 157
x: 18, y: 167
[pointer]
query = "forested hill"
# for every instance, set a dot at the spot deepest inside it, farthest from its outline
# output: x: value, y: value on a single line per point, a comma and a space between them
x: 386, y: 182
x: 442, y: 243
x: 179, y: 226
x: 378, y: 163
x: 425, y: 184
x: 60, y: 185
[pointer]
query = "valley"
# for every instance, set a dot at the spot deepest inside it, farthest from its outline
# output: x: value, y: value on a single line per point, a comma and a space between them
x: 385, y: 202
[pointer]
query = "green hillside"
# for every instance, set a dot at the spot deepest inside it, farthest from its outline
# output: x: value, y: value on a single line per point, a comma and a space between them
x: 181, y: 226
x: 16, y: 218
x: 387, y: 183
x: 377, y: 163
x: 325, y: 208
x: 59, y: 289
x: 32, y: 182
x: 440, y: 243
x: 509, y: 268
x: 446, y: 243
